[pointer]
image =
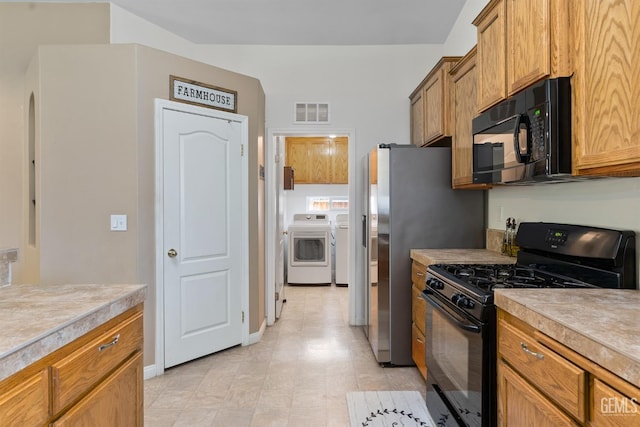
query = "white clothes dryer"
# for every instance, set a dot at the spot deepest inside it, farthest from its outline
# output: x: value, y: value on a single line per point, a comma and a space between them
x: 309, y: 258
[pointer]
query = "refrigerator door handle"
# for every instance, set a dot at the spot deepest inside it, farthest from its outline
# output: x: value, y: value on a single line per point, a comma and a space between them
x: 364, y: 231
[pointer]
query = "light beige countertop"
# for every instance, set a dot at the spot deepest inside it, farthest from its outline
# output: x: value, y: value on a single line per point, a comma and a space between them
x: 459, y: 256
x: 603, y: 325
x: 37, y: 320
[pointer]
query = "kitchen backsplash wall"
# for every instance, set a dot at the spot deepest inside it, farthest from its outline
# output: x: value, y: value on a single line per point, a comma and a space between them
x: 609, y: 203
x: 494, y: 239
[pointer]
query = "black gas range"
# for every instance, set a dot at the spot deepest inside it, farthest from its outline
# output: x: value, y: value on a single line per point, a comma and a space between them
x: 461, y: 317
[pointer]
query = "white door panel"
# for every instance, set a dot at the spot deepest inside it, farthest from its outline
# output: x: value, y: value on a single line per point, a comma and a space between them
x: 202, y: 201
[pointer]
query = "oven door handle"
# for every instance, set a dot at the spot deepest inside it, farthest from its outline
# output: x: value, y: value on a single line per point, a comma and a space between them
x: 460, y: 323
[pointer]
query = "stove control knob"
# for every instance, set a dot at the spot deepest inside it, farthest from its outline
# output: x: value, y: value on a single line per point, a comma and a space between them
x: 435, y: 283
x: 462, y: 301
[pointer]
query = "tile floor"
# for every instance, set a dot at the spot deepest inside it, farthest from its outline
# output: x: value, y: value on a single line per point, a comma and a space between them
x: 297, y: 375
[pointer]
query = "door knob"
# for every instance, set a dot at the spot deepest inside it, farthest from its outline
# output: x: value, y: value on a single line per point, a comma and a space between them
x: 172, y: 253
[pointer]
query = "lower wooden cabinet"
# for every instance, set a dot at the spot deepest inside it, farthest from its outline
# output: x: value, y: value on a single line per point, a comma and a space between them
x: 518, y: 402
x: 614, y: 408
x: 96, y: 380
x: 418, y: 309
x: 545, y: 383
x: 115, y: 402
x: 25, y: 402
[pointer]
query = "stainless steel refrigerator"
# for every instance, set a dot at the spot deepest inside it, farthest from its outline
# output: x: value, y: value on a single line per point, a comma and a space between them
x: 411, y: 205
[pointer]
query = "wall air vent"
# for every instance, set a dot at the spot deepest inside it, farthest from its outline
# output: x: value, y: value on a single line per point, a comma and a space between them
x: 312, y: 112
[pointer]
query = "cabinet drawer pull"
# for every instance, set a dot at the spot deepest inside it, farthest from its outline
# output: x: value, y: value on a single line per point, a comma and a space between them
x: 533, y: 353
x: 114, y: 342
x: 419, y: 273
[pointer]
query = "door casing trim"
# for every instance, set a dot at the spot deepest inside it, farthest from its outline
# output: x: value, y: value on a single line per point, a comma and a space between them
x: 270, y: 227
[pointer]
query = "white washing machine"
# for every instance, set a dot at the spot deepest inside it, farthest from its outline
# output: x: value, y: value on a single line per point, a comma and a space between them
x: 343, y: 259
x: 309, y: 258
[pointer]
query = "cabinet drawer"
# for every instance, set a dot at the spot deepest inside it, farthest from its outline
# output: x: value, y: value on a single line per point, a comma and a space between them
x: 612, y: 408
x: 521, y: 404
x: 76, y: 373
x: 418, y: 274
x: 418, y: 350
x: 27, y: 403
x: 555, y: 376
x: 418, y: 308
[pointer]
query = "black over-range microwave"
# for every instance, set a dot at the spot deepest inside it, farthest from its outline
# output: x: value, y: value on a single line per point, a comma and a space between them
x: 526, y: 138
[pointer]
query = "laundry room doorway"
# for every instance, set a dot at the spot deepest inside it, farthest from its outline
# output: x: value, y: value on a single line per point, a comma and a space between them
x: 305, y: 194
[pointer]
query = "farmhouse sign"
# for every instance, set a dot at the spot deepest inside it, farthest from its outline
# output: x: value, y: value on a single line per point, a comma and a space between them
x: 197, y: 93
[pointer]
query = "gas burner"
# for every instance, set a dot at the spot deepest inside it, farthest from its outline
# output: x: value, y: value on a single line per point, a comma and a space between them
x: 465, y: 272
x: 483, y: 278
x: 481, y: 282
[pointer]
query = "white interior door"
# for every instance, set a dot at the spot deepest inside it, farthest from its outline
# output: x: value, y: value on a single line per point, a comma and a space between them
x: 203, y: 234
x: 280, y: 232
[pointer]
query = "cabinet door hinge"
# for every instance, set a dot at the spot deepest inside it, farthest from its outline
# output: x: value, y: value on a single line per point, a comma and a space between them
x: 243, y: 317
x: 277, y: 296
x: 242, y: 150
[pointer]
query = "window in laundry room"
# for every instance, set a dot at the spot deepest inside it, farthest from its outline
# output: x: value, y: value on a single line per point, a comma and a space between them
x: 326, y: 204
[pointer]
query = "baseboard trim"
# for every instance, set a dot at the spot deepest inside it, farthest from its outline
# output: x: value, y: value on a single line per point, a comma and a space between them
x: 257, y: 336
x: 150, y: 371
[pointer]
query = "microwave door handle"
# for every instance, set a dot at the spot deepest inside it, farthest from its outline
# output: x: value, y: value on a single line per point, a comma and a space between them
x: 520, y: 156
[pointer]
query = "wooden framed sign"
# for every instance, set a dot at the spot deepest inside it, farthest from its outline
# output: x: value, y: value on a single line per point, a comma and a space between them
x: 196, y: 93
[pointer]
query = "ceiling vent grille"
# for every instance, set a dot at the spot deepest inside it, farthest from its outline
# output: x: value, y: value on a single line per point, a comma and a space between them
x: 312, y: 112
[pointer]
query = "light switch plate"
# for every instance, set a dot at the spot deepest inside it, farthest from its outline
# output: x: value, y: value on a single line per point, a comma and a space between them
x: 118, y: 223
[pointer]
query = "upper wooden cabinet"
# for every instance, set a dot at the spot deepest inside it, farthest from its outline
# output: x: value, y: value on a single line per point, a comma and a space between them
x: 465, y: 107
x: 340, y: 161
x: 519, y: 43
x: 318, y: 160
x: 492, y: 54
x: 417, y: 117
x: 606, y: 87
x: 431, y: 105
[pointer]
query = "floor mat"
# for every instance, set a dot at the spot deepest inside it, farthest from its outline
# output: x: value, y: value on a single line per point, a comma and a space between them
x: 388, y: 408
